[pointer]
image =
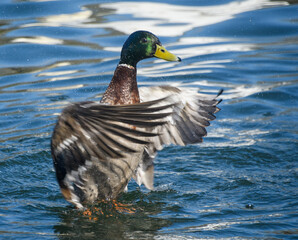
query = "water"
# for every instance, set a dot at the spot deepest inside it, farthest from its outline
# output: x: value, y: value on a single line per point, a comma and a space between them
x: 240, y: 183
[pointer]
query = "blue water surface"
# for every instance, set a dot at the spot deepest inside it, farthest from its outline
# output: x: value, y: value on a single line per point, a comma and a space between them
x: 240, y: 183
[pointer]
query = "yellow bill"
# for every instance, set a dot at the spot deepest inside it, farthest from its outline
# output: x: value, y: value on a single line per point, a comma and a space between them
x: 163, y: 53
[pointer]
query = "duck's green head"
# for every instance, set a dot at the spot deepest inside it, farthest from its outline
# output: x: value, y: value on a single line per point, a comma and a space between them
x: 141, y: 45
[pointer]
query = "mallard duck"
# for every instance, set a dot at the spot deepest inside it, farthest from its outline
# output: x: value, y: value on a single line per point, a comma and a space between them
x: 97, y: 147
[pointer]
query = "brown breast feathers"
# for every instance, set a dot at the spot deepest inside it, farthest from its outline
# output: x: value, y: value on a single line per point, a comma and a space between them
x: 123, y: 88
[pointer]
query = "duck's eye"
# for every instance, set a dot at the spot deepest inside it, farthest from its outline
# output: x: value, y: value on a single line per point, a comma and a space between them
x: 144, y: 40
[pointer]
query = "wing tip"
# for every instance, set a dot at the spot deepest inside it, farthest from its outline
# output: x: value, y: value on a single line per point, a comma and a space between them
x: 219, y: 100
x: 220, y: 92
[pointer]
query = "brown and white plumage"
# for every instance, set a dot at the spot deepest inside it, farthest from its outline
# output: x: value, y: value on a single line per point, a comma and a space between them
x: 97, y: 147
x: 191, y: 113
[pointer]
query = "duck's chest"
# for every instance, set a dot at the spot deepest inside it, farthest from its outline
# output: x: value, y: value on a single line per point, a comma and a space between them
x: 123, y: 88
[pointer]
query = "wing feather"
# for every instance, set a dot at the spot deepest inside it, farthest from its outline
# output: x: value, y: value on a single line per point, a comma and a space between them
x: 192, y: 113
x: 91, y: 131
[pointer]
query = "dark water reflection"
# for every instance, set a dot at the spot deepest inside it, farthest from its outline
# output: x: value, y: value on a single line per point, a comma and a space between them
x: 140, y: 225
x: 240, y: 183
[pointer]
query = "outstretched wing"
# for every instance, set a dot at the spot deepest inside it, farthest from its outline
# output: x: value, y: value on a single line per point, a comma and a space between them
x: 192, y: 113
x: 89, y: 131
